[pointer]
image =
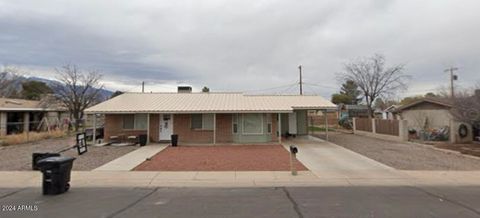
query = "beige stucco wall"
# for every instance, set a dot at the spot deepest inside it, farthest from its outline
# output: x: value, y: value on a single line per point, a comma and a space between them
x: 436, y: 118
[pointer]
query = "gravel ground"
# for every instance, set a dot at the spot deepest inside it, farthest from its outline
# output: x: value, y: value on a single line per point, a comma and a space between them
x: 19, y: 157
x: 221, y: 158
x: 403, y: 156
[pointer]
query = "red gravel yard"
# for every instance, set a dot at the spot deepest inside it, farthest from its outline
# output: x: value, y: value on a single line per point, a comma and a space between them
x: 221, y: 158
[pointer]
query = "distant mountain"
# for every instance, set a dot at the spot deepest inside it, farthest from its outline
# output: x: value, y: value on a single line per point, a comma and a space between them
x: 105, y: 94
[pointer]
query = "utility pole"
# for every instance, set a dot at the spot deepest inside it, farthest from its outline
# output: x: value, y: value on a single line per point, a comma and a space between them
x: 143, y: 86
x: 301, y: 84
x: 452, y: 78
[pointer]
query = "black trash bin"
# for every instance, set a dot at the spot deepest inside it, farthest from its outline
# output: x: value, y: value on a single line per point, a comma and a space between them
x: 142, y: 139
x: 38, y: 156
x: 174, y: 139
x: 56, y: 174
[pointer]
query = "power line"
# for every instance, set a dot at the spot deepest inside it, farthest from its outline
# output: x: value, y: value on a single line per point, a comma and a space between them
x: 322, y: 86
x: 272, y: 88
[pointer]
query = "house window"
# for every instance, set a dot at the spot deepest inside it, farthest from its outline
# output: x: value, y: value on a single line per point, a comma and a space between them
x: 128, y: 121
x: 253, y: 124
x: 202, y: 121
x: 141, y: 121
x: 135, y: 121
x: 196, y: 121
x: 235, y: 123
x: 269, y: 123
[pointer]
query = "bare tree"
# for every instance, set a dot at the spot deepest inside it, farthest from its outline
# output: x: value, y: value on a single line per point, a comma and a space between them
x: 78, y: 90
x: 374, y: 79
x: 466, y: 106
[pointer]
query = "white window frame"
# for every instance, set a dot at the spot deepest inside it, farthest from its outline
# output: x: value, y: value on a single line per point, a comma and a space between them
x: 247, y: 133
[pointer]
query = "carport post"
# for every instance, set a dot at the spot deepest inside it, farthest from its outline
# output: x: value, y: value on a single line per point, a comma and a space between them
x: 94, y: 129
x: 326, y: 125
x: 148, y: 128
x: 279, y: 128
x: 214, y: 128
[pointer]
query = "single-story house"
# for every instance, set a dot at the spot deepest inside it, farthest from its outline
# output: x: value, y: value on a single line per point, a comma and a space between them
x: 390, y: 113
x: 208, y: 117
x: 434, y: 115
x: 20, y: 115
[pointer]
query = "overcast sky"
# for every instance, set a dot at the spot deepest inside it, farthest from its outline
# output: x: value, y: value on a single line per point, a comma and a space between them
x: 241, y: 45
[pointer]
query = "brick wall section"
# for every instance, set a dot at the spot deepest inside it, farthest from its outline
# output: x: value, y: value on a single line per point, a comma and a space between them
x: 181, y: 127
x: 224, y: 128
x: 154, y: 127
x: 274, y: 127
x: 114, y: 127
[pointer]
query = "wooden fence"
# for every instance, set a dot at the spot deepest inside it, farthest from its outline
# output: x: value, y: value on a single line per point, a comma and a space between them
x: 319, y: 120
x: 384, y: 129
x: 387, y: 127
x: 363, y: 124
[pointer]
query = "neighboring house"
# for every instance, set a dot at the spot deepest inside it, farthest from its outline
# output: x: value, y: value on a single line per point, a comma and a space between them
x: 207, y: 117
x: 390, y: 113
x: 19, y: 115
x: 352, y: 110
x: 433, y: 114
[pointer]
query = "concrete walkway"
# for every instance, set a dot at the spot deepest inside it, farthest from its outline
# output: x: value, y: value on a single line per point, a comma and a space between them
x: 132, y: 159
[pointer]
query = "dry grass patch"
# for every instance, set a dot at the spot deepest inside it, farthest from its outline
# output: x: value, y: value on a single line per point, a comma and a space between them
x: 30, y: 137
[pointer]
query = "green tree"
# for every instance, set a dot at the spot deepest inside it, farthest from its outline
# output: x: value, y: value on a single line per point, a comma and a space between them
x: 430, y: 95
x: 34, y: 90
x: 341, y: 99
x: 205, y: 89
x: 350, y: 89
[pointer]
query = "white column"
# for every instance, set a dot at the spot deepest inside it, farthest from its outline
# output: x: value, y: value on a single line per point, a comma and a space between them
x: 374, y: 127
x: 354, y: 126
x: 3, y: 123
x: 279, y: 128
x: 326, y: 125
x: 26, y: 122
x: 214, y: 128
x: 94, y: 129
x: 148, y: 128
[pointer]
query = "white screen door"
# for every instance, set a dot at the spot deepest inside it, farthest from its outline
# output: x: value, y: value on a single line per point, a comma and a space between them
x: 166, y: 126
x: 292, y: 123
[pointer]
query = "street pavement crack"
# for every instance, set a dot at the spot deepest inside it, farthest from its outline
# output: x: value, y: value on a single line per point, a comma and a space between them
x: 132, y: 204
x: 444, y: 198
x: 12, y: 193
x: 294, y: 203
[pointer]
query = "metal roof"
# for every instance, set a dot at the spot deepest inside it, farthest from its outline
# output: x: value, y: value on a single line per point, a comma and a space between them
x: 11, y: 104
x: 438, y: 101
x: 208, y: 103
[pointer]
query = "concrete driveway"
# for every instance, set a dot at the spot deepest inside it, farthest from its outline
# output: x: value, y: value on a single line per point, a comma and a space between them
x: 327, y: 160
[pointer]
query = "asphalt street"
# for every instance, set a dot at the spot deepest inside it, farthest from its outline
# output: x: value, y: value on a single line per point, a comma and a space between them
x: 362, y: 201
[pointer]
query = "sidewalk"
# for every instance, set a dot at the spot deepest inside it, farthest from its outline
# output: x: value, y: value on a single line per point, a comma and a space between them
x: 24, y: 179
x: 131, y: 160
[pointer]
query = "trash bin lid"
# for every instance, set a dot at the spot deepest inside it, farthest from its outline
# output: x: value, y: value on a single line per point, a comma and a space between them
x: 58, y: 159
